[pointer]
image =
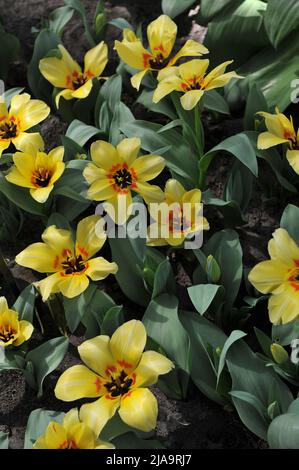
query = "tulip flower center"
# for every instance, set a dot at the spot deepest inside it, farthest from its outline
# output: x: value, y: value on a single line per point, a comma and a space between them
x: 73, y: 265
x: 78, y: 80
x: 41, y: 178
x: 294, y: 277
x: 119, y: 385
x: 68, y: 445
x: 8, y: 130
x: 159, y: 62
x: 194, y: 83
x: 177, y: 223
x: 123, y: 178
x: 7, y: 333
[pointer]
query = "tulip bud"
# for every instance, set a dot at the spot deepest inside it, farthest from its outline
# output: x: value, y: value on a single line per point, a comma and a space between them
x: 279, y: 354
x: 100, y: 22
x: 213, y: 270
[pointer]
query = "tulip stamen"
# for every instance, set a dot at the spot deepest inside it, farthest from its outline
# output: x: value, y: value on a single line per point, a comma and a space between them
x: 41, y: 178
x: 8, y: 130
x: 158, y: 62
x: 123, y: 178
x: 119, y: 385
x: 73, y: 265
x: 7, y: 333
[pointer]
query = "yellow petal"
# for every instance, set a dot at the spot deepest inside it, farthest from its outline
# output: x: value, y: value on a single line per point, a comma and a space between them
x: 129, y: 35
x: 3, y: 111
x: 25, y: 163
x: 39, y: 257
x: 71, y: 418
x: 190, y: 49
x: 149, y: 192
x: 161, y: 35
x: 165, y: 87
x: 56, y: 154
x: 127, y: 344
x: 3, y: 305
x: 137, y: 79
x: 104, y: 154
x: 174, y: 191
x: 283, y: 307
x: 193, y: 68
x: 55, y: 71
x: 190, y: 99
x: 101, y: 190
x: 32, y: 113
x: 278, y: 124
x: 128, y: 149
x: 29, y: 140
x: 66, y: 94
x: 92, y: 173
x: 83, y: 91
x: 95, y: 415
x: 293, y: 159
x: 96, y: 354
x: 95, y: 59
x: 73, y: 285
x: 268, y: 276
x: 17, y: 102
x: 26, y: 330
x: 104, y: 445
x: 119, y: 207
x: 152, y: 365
x: 78, y: 382
x: 59, y: 170
x: 148, y: 167
x: 15, y: 177
x: 133, y: 54
x: 283, y: 248
x: 4, y: 144
x: 192, y: 197
x: 40, y: 443
x: 82, y: 436
x: 41, y: 195
x: 90, y: 236
x: 49, y: 285
x: 68, y: 61
x: 55, y: 436
x: 267, y: 140
x: 59, y: 240
x: 139, y: 409
x: 99, y: 268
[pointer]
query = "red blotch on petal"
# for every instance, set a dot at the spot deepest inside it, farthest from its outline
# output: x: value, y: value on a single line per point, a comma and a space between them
x: 124, y: 364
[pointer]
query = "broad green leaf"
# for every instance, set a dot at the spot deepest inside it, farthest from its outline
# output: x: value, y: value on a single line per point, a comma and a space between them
x: 58, y: 220
x: 24, y: 305
x: 95, y: 311
x: 72, y: 184
x: 256, y: 102
x: 131, y: 441
x: 9, y: 51
x: 238, y: 187
x: 79, y: 7
x: 264, y: 341
x: 77, y: 307
x: 4, y: 440
x: 213, y: 101
x: 164, y: 281
x: 163, y: 107
x: 281, y: 18
x: 80, y: 132
x: 112, y: 320
x: 20, y: 196
x: 37, y: 424
x: 8, y: 95
x: 120, y: 23
x: 208, y: 9
x: 174, y: 8
x: 202, y: 296
x: 233, y: 337
x: 59, y: 18
x: 283, y: 432
x: 285, y: 334
x: 290, y: 221
x: 111, y: 91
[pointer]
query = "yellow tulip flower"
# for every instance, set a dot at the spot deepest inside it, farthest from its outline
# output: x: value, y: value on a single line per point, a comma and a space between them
x: 72, y: 433
x: 71, y: 262
x: 177, y: 217
x: 191, y: 79
x: 279, y: 277
x: 22, y: 115
x: 119, y: 372
x: 37, y: 171
x: 161, y: 35
x: 66, y: 73
x: 115, y: 172
x: 280, y: 131
x: 12, y: 331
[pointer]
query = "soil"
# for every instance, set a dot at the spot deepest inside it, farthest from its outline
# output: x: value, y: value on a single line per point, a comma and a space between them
x: 196, y: 422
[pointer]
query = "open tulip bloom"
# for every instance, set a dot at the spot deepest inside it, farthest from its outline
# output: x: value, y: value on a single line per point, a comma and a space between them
x: 67, y: 75
x: 71, y: 262
x: 12, y: 331
x: 119, y: 372
x: 192, y: 80
x: 72, y: 433
x: 37, y: 171
x: 161, y: 35
x: 280, y: 130
x: 279, y: 277
x: 177, y: 217
x: 117, y: 171
x: 22, y: 115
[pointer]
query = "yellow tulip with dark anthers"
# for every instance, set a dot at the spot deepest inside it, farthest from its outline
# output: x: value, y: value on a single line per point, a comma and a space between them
x: 66, y: 74
x: 161, y: 35
x: 119, y: 372
x: 37, y: 171
x: 72, y: 433
x: 280, y: 130
x: 22, y: 115
x: 71, y: 261
x: 279, y: 277
x: 192, y: 80
x: 177, y: 217
x: 12, y: 330
x: 117, y: 171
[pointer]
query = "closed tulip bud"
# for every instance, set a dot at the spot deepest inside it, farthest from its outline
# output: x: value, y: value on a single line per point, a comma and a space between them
x: 212, y: 269
x: 279, y: 354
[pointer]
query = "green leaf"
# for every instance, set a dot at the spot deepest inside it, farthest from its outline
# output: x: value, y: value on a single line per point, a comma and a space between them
x: 73, y: 185
x: 9, y: 94
x: 163, y: 107
x: 24, y: 305
x: 46, y: 358
x: 238, y: 187
x: 77, y: 307
x: 285, y: 334
x: 281, y: 19
x: 37, y: 424
x: 238, y: 145
x: 164, y: 281
x: 290, y: 221
x: 121, y: 23
x: 58, y: 220
x: 213, y: 101
x: 283, y: 432
x: 4, y: 440
x: 111, y: 91
x: 174, y: 8
x: 95, y: 312
x: 256, y: 102
x: 202, y: 296
x: 80, y: 132
x: 112, y: 320
x: 59, y: 18
x: 131, y: 441
x: 20, y: 196
x: 208, y: 9
x: 9, y: 51
x: 233, y: 337
x: 80, y: 9
x: 264, y: 341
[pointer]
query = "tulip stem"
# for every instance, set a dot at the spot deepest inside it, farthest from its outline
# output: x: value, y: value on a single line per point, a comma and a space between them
x: 200, y: 141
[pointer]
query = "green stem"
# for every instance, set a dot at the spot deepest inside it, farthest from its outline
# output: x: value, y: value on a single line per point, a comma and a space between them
x: 200, y: 141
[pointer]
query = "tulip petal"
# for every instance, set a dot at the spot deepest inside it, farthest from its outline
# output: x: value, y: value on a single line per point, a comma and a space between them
x: 267, y: 276
x: 27, y: 140
x: 128, y: 149
x: 161, y: 34
x: 174, y: 191
x: 66, y: 94
x: 41, y: 195
x: 190, y: 49
x: 165, y: 87
x: 137, y: 79
x: 92, y: 173
x: 73, y: 285
x: 99, y: 268
x: 119, y: 207
x: 139, y: 409
x: 68, y: 61
x: 190, y: 99
x: 4, y: 144
x: 55, y: 436
x: 133, y: 54
x: 283, y: 307
x: 17, y: 102
x: 90, y: 236
x: 15, y: 177
x: 149, y: 192
x: 104, y: 154
x: 3, y: 305
x: 82, y: 436
x: 25, y: 332
x: 193, y: 68
x: 267, y: 140
x: 151, y: 365
x: 39, y: 257
x: 148, y: 167
x: 78, y: 382
x: 49, y: 285
x: 96, y: 59
x: 283, y: 248
x: 55, y: 71
x: 101, y: 190
x: 293, y: 159
x: 127, y: 344
x: 95, y: 415
x: 96, y: 354
x: 59, y: 240
x: 32, y: 113
x: 71, y: 418
x: 83, y: 91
